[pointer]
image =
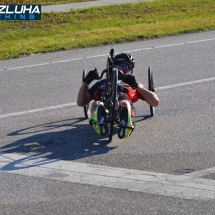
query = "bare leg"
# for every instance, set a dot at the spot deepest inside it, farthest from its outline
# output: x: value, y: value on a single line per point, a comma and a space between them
x: 127, y: 104
x: 94, y: 106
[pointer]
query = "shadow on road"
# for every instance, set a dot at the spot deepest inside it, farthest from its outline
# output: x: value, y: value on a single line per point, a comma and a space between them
x: 67, y: 140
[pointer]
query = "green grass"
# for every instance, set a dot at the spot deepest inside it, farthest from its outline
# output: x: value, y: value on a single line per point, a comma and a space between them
x: 105, y: 25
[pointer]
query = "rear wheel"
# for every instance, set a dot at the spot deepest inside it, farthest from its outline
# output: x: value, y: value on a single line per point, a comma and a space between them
x: 113, y: 100
x: 151, y: 87
x: 86, y: 108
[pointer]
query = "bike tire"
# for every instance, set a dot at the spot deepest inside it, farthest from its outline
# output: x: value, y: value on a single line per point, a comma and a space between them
x: 113, y: 100
x: 151, y: 87
x: 87, y: 106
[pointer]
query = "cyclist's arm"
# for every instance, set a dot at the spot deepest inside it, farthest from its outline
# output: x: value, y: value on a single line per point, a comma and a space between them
x: 83, y: 96
x: 150, y: 97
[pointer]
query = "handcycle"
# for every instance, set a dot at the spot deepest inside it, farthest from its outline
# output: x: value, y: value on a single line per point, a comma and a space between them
x: 110, y: 97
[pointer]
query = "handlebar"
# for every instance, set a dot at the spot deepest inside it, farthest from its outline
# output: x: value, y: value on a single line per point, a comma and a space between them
x: 103, y: 72
x: 121, y: 75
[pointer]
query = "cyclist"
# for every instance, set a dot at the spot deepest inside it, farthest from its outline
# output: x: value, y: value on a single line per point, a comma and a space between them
x: 129, y: 91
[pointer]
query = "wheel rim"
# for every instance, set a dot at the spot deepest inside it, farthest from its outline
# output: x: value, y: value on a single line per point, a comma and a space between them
x: 87, y: 106
x: 150, y: 85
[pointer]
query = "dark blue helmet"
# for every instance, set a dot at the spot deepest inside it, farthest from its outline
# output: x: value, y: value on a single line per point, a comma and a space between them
x: 124, y: 57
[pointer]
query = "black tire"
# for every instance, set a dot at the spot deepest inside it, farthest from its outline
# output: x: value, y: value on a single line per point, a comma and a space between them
x: 87, y: 106
x: 151, y: 87
x: 113, y: 100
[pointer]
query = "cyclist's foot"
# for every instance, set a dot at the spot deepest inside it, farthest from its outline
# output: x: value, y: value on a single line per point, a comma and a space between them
x: 125, y: 119
x: 100, y: 117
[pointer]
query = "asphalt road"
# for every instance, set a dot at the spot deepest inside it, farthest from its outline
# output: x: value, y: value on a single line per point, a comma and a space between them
x: 179, y: 136
x: 81, y: 5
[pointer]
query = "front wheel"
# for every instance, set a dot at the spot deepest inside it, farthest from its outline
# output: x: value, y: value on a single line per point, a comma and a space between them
x: 113, y: 100
x: 151, y: 87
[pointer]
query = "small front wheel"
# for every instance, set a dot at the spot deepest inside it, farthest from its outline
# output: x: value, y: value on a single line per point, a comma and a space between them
x: 113, y: 100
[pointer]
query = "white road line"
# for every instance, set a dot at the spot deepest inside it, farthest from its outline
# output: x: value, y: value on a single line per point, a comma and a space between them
x: 182, y: 186
x: 74, y: 103
x: 38, y: 110
x: 185, y: 83
x: 95, y: 56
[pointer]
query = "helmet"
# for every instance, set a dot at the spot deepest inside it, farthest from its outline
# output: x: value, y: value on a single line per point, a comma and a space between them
x: 124, y: 57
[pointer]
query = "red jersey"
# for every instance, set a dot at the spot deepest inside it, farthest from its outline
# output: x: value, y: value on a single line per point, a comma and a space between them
x: 124, y: 91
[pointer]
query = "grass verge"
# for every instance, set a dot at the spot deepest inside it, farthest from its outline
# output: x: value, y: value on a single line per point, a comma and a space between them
x: 105, y: 25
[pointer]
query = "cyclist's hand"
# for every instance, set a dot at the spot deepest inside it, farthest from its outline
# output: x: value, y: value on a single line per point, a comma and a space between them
x: 130, y: 80
x: 92, y: 75
x: 121, y: 75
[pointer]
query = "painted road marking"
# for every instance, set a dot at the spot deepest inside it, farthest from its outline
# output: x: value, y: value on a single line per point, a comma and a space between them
x: 182, y: 186
x: 38, y: 110
x: 74, y: 103
x: 185, y: 83
x: 95, y: 56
